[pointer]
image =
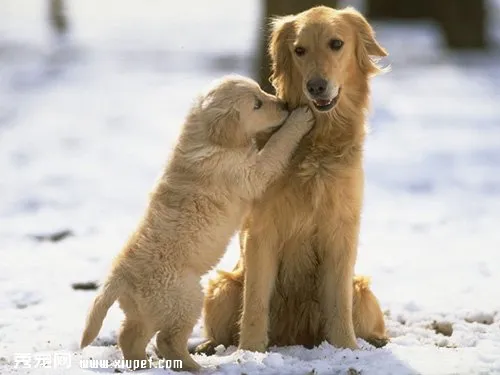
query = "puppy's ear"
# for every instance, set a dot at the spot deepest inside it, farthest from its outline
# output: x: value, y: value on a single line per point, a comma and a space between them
x: 366, y: 44
x: 282, y: 34
x: 223, y: 126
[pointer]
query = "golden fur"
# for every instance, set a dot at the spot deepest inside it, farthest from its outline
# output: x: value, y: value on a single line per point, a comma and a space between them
x: 222, y: 321
x: 293, y: 284
x: 198, y: 203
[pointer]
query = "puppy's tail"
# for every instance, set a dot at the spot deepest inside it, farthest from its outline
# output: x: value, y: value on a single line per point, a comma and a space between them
x: 107, y: 296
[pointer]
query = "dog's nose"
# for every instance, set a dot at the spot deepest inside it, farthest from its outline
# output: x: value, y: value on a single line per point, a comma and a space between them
x: 317, y: 86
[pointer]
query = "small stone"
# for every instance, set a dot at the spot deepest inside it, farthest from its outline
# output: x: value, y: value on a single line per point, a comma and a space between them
x: 87, y: 285
x: 53, y: 237
x: 401, y: 319
x: 444, y: 328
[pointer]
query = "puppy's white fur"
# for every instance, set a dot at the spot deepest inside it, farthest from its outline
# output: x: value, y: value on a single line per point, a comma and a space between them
x: 214, y: 174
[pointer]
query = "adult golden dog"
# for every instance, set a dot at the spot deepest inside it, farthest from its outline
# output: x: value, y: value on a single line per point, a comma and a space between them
x: 214, y: 174
x: 294, y: 281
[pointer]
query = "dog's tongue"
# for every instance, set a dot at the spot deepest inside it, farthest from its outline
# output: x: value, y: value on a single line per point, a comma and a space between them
x: 322, y: 103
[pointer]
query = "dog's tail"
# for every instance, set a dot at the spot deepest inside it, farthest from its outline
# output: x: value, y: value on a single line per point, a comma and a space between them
x: 104, y: 300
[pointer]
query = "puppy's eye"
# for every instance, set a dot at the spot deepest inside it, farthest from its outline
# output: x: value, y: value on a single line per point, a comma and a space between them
x: 300, y: 51
x: 258, y: 104
x: 335, y: 44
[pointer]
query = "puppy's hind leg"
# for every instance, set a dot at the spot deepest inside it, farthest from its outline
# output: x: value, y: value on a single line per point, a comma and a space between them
x: 135, y: 334
x: 178, y: 322
x: 172, y: 345
x: 133, y: 339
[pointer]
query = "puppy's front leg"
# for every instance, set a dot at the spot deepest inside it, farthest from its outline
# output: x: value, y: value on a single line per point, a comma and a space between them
x: 274, y: 158
x: 261, y: 259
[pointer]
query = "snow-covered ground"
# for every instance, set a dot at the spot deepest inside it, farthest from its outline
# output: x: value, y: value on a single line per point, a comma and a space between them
x: 86, y: 126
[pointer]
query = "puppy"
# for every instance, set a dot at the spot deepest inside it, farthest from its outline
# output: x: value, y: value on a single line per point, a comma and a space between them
x: 214, y: 174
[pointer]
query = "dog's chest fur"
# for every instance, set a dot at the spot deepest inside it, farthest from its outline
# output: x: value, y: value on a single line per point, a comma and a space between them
x: 321, y: 162
x: 317, y: 174
x: 317, y: 161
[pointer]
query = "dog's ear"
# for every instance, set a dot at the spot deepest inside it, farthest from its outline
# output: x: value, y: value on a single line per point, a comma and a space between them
x: 282, y: 33
x: 367, y: 45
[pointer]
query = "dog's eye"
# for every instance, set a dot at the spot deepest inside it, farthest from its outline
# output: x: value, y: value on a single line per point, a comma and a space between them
x: 300, y: 51
x: 258, y: 104
x: 336, y: 44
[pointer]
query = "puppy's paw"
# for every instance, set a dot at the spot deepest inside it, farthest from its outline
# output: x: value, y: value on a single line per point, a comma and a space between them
x: 303, y: 117
x: 207, y: 348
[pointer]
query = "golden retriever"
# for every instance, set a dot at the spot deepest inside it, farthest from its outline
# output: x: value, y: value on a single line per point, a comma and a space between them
x: 293, y: 284
x: 196, y: 206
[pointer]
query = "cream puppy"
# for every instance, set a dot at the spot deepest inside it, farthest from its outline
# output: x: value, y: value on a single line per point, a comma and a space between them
x: 214, y: 174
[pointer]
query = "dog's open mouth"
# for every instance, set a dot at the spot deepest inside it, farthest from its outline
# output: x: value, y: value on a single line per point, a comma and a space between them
x: 325, y: 105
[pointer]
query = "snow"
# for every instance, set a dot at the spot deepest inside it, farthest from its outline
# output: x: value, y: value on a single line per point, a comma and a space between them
x: 87, y: 123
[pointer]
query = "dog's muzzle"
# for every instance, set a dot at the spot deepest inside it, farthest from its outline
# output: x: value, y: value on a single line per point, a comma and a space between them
x: 322, y: 94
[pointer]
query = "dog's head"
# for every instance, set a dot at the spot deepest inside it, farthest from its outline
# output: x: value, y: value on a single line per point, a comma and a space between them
x: 323, y: 50
x: 235, y: 109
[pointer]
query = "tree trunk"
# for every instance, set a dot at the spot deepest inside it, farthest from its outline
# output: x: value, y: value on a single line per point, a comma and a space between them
x: 463, y: 22
x: 406, y: 9
x: 272, y: 8
x: 57, y: 17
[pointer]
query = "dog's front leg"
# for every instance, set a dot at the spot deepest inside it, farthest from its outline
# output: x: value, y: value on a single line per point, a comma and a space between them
x: 337, y: 241
x: 261, y: 264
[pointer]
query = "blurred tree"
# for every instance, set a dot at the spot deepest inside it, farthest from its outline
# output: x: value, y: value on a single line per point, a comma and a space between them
x: 463, y: 22
x: 270, y: 9
x: 398, y: 8
x: 57, y: 17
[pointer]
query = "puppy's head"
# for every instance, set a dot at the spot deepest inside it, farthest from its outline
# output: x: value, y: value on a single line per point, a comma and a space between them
x: 236, y: 109
x: 322, y: 50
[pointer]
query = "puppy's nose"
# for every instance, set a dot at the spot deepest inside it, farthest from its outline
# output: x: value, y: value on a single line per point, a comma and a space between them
x: 283, y: 105
x: 317, y: 86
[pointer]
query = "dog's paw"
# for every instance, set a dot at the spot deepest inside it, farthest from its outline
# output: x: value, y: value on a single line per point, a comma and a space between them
x: 378, y: 342
x: 344, y: 342
x: 260, y: 347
